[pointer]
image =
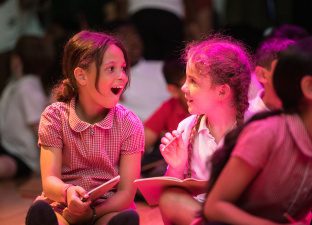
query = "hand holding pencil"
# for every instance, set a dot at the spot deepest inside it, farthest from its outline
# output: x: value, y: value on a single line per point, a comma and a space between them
x: 173, y: 149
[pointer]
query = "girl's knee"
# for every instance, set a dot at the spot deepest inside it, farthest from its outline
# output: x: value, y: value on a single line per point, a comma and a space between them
x: 171, y: 197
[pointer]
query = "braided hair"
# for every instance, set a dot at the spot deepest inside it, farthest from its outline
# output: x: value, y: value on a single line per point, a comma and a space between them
x: 227, y: 61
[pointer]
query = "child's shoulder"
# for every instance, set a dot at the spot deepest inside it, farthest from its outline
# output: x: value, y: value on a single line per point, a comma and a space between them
x: 270, y: 123
x: 122, y: 111
x: 188, y: 121
x: 57, y: 107
x: 127, y: 119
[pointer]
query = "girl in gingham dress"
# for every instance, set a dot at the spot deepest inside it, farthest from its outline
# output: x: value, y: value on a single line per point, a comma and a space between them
x: 86, y: 137
x: 216, y: 89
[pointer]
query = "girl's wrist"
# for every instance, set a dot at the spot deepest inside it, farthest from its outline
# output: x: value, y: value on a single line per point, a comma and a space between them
x: 66, y: 187
x: 175, y: 172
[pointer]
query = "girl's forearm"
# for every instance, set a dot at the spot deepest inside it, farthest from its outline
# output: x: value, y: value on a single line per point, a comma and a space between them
x: 121, y: 200
x: 54, y: 188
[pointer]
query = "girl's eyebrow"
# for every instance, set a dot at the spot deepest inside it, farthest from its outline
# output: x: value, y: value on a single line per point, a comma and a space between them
x: 190, y: 76
x: 113, y: 63
x: 109, y: 62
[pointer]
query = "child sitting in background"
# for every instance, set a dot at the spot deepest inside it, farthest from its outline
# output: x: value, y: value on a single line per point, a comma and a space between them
x: 263, y: 173
x: 148, y: 86
x: 21, y: 104
x: 167, y: 116
x: 266, y: 58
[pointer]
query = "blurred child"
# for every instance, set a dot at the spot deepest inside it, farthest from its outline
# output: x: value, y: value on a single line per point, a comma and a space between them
x: 21, y: 105
x: 86, y: 138
x: 168, y: 115
x: 216, y: 89
x: 289, y: 31
x: 148, y: 86
x: 266, y: 58
x: 268, y: 162
x: 172, y: 111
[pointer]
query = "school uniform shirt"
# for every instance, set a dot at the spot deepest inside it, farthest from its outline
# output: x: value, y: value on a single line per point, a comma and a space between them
x: 22, y: 102
x: 90, y: 152
x: 256, y: 105
x: 255, y: 87
x: 203, y: 147
x: 174, y: 6
x: 167, y: 116
x: 280, y: 149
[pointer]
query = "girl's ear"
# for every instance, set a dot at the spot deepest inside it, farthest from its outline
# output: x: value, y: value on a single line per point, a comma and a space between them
x: 261, y: 74
x: 80, y: 76
x: 306, y: 86
x: 224, y: 91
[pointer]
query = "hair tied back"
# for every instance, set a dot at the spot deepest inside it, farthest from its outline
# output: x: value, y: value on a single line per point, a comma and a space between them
x: 67, y: 83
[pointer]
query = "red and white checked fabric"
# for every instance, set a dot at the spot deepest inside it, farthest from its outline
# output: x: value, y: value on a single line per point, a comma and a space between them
x: 91, y: 152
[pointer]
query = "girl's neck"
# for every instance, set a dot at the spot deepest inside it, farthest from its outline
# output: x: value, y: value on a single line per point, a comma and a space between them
x: 220, y: 124
x: 90, y: 114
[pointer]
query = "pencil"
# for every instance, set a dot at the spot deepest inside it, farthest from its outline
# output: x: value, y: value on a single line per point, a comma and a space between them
x: 172, y: 140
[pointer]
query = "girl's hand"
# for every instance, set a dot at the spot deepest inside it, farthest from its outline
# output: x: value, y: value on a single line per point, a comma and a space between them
x: 77, y: 210
x: 173, y: 150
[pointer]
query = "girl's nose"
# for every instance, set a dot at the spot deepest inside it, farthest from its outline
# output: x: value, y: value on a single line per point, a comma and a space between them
x: 123, y: 75
x: 184, y: 87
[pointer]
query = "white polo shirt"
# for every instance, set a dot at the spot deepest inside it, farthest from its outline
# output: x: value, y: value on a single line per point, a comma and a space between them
x: 21, y: 105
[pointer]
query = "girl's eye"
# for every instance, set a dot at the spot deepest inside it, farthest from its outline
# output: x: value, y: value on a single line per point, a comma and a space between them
x: 124, y: 68
x: 111, y: 69
x: 192, y: 81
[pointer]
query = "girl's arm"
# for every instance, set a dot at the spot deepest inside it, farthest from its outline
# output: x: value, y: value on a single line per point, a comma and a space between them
x: 129, y: 170
x: 233, y: 181
x: 55, y: 189
x: 51, y: 163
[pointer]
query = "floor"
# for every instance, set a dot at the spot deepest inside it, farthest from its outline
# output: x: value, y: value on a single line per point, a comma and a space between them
x: 17, y: 196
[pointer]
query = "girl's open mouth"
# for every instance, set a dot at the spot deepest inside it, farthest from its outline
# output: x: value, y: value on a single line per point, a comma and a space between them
x: 116, y: 90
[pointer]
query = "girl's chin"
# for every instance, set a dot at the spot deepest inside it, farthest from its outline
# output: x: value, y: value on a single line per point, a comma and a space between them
x: 190, y: 109
x: 110, y: 105
x: 193, y: 111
